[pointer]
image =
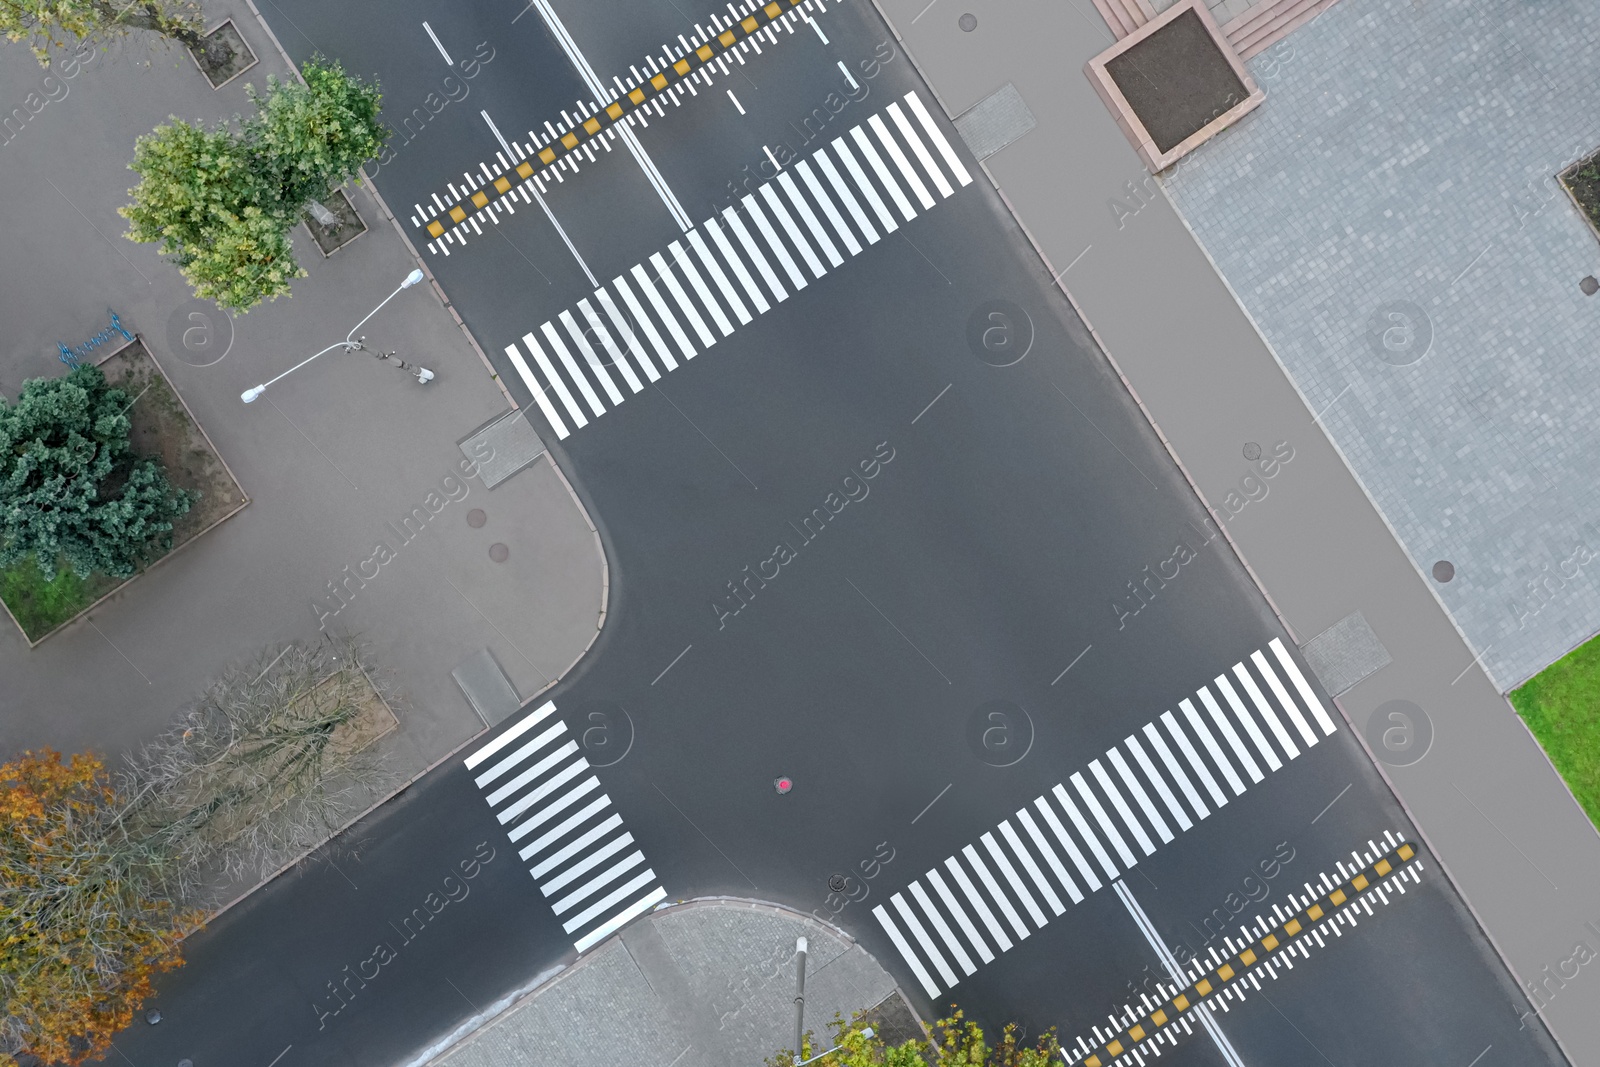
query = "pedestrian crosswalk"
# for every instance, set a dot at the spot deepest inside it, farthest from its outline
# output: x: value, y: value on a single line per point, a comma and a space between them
x: 540, y: 788
x: 1113, y: 807
x: 789, y: 223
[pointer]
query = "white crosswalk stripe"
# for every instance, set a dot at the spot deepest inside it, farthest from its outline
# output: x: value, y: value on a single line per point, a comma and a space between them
x: 1011, y: 871
x: 591, y: 876
x: 1284, y: 698
x: 1292, y: 669
x: 731, y: 268
x: 1273, y: 723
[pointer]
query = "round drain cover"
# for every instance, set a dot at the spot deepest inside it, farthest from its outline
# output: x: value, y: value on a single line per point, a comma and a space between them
x: 837, y: 883
x: 967, y: 22
x: 1589, y: 285
x: 1252, y: 451
x: 476, y: 518
x: 498, y: 552
x: 1443, y: 571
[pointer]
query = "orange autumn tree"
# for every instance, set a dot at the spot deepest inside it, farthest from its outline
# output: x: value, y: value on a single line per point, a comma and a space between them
x: 84, y: 922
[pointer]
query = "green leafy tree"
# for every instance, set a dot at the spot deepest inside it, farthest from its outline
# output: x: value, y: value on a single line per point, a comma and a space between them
x: 71, y: 487
x: 47, y: 24
x: 956, y: 1042
x: 222, y: 202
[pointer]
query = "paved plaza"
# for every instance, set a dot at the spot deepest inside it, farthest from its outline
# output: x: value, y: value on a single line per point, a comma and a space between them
x: 1390, y: 220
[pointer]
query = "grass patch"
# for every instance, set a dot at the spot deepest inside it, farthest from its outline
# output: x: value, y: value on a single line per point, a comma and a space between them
x: 1561, y: 705
x: 40, y: 606
x: 1582, y: 181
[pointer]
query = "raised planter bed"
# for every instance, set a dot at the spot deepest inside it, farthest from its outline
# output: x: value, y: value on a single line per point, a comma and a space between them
x: 226, y: 55
x: 1582, y: 184
x: 330, y: 239
x: 164, y: 427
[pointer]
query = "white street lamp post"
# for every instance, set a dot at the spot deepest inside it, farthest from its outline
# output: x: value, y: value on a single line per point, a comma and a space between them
x: 349, y: 344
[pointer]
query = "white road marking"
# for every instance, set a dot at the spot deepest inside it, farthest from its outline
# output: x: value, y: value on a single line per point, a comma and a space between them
x: 539, y: 397
x: 1284, y: 698
x: 528, y: 722
x: 1225, y: 687
x: 586, y: 350
x: 1273, y: 722
x: 621, y: 919
x: 1071, y: 846
x: 622, y: 327
x: 1028, y: 864
x: 714, y: 269
x: 846, y: 197
x: 979, y: 905
x: 736, y: 224
x: 753, y: 209
x: 781, y: 213
x: 559, y: 755
x: 726, y: 247
x: 1159, y: 743
x: 809, y: 176
x: 1026, y: 819
x: 1200, y: 769
x: 670, y: 280
x: 545, y: 814
x: 1110, y: 789
x: 809, y: 217
x: 921, y: 934
x: 945, y: 933
x: 684, y: 262
x: 565, y: 827
x: 982, y: 871
x: 1082, y: 825
x: 649, y: 328
x: 596, y: 324
x: 560, y: 348
x: 906, y: 954
x: 555, y: 730
x: 593, y: 885
x: 1109, y: 828
x: 1182, y: 817
x: 435, y: 39
x: 649, y: 290
x: 899, y: 159
x: 589, y: 862
x: 938, y: 138
x: 939, y: 887
x: 868, y: 190
x: 870, y: 154
x: 1198, y: 725
x: 1140, y: 797
x: 1293, y: 671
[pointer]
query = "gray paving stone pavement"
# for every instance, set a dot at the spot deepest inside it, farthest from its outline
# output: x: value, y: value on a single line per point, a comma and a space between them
x: 703, y: 984
x: 1409, y: 155
x: 335, y: 458
x: 1509, y: 834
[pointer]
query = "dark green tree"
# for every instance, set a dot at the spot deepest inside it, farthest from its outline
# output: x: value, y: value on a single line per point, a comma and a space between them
x: 72, y: 490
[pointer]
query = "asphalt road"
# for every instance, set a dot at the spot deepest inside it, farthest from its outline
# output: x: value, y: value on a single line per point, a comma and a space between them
x: 1003, y: 557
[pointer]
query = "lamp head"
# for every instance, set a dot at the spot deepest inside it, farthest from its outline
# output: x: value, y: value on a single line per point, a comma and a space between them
x: 412, y: 279
x: 249, y: 395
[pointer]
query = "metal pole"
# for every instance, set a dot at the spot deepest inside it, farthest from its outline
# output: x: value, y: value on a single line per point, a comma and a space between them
x: 800, y: 999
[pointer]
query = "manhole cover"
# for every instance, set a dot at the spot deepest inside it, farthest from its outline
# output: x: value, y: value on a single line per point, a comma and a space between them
x: 607, y: 732
x: 1589, y: 285
x: 476, y: 518
x: 1000, y: 733
x: 837, y: 883
x: 499, y: 552
x: 1399, y: 733
x: 967, y: 22
x: 1252, y: 451
x: 1399, y: 333
x: 1443, y: 571
x: 999, y: 332
x: 152, y: 1016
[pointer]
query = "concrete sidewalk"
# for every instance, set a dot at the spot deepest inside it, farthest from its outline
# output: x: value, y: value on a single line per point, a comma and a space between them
x: 708, y: 983
x: 335, y: 458
x: 1516, y: 843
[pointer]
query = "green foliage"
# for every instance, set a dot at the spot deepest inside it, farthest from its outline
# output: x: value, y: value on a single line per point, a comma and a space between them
x: 956, y: 1042
x: 38, y: 604
x: 71, y: 487
x: 222, y: 202
x: 1561, y: 705
x: 47, y: 24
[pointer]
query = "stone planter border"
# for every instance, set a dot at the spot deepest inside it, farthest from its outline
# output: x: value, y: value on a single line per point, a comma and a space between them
x: 251, y: 52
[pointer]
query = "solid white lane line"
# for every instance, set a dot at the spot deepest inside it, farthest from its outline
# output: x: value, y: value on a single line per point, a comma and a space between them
x: 587, y: 273
x: 609, y: 901
x: 1091, y: 879
x: 753, y: 209
x: 950, y: 941
x: 690, y: 312
x: 599, y: 881
x: 559, y: 831
x: 874, y: 201
x: 979, y: 905
x: 685, y: 262
x: 649, y: 328
x: 736, y: 224
x: 1201, y: 771
x: 921, y: 151
x: 809, y: 176
x: 558, y: 756
x: 560, y: 348
x: 1141, y: 838
x: 556, y: 381
x: 566, y: 852
x: 1198, y: 725
x: 809, y: 217
x: 906, y: 954
x: 586, y: 350
x: 435, y: 39
x: 618, y: 360
x: 544, y: 789
x: 785, y: 220
x: 1271, y: 717
x: 549, y: 734
x: 588, y: 863
x: 752, y: 290
x: 982, y: 871
x: 1025, y: 817
x: 938, y: 138
x: 621, y: 919
x: 1109, y: 828
x: 649, y: 290
x: 539, y: 397
x: 892, y: 146
x: 529, y: 721
x: 1039, y: 880
x: 1299, y: 720
x: 1180, y: 776
x: 544, y: 815
x: 1140, y: 797
x: 950, y: 902
x: 1225, y: 687
x: 870, y: 154
x: 846, y: 197
x: 623, y: 328
x: 1082, y: 826
x: 921, y: 934
x: 1225, y: 727
x: 714, y: 269
x: 1139, y: 754
x: 1293, y: 671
